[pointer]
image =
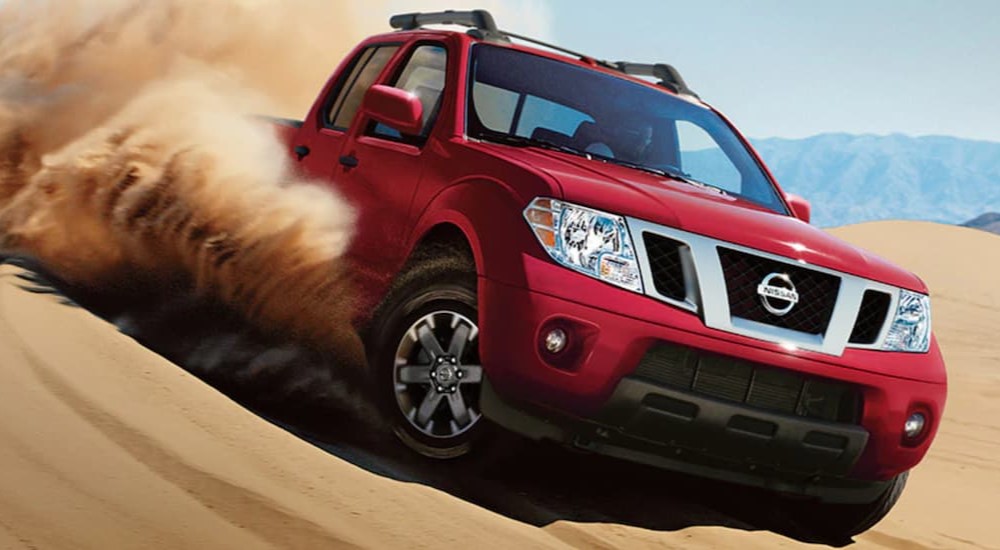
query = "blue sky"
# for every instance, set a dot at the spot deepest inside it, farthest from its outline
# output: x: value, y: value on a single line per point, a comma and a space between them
x: 797, y: 68
x: 787, y: 68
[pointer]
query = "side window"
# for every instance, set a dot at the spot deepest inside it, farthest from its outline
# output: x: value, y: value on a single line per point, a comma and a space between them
x: 366, y: 68
x: 702, y: 158
x: 423, y: 75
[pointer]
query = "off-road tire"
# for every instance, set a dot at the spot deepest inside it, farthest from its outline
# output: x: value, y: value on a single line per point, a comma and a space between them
x: 439, y: 280
x: 840, y: 522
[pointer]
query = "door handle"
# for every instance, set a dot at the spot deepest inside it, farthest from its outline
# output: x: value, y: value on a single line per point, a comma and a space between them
x: 301, y: 151
x: 349, y: 161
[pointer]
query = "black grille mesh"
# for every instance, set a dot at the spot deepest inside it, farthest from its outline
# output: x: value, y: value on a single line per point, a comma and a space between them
x: 758, y: 386
x: 871, y: 317
x: 775, y: 390
x: 665, y: 265
x: 719, y: 377
x: 817, y: 292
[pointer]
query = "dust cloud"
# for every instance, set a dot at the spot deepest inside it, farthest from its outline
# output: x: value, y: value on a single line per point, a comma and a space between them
x: 131, y: 161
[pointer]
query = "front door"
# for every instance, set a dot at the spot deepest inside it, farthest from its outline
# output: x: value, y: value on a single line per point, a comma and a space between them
x: 379, y: 168
x: 318, y: 151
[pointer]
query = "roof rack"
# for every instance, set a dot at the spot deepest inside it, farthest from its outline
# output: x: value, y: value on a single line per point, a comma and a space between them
x: 482, y: 25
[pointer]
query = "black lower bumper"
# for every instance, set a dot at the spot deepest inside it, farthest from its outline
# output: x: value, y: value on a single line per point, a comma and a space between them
x: 664, y: 427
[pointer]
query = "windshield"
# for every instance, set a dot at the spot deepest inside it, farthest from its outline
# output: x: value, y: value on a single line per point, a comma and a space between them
x: 526, y: 99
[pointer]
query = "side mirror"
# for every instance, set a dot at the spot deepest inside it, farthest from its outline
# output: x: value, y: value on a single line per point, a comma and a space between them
x: 396, y: 108
x: 800, y: 207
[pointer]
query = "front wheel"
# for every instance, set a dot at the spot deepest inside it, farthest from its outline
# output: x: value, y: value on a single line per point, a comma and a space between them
x: 843, y: 521
x: 426, y: 364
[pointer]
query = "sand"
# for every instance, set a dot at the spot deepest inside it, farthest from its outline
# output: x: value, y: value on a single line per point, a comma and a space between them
x: 104, y: 444
x: 953, y: 497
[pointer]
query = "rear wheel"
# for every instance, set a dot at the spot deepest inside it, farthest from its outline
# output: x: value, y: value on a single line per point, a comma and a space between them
x: 840, y: 522
x: 425, y: 361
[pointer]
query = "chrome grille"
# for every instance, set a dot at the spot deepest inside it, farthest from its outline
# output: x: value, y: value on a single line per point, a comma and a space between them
x: 720, y: 281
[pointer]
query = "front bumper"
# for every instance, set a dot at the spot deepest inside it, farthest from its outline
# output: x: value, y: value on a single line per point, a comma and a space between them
x: 611, y: 334
x: 798, y: 458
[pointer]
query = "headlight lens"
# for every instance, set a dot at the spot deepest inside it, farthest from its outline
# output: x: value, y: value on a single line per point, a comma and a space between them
x: 590, y: 241
x: 911, y: 328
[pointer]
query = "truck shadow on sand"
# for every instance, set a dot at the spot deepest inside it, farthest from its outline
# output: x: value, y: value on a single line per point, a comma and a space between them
x: 310, y: 395
x: 540, y: 484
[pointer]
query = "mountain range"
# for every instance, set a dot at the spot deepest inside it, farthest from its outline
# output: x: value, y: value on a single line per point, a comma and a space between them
x: 989, y: 221
x: 855, y: 178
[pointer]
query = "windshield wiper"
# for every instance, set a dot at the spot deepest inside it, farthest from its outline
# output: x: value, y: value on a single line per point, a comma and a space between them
x: 522, y: 141
x: 672, y: 174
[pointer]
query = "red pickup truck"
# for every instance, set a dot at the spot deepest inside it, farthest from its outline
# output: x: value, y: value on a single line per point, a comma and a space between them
x: 586, y: 252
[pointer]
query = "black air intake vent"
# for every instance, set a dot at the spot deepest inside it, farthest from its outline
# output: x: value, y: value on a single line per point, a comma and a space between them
x: 759, y: 386
x: 871, y: 317
x: 665, y: 265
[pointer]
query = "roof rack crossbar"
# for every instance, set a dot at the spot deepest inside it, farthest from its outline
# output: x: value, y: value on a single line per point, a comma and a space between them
x: 668, y: 75
x: 483, y: 26
x: 478, y: 19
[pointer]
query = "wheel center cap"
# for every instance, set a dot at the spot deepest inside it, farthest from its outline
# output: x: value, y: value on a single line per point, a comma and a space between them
x: 446, y: 374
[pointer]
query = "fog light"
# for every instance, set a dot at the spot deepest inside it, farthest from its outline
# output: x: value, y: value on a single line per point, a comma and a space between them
x: 555, y: 340
x: 914, y: 425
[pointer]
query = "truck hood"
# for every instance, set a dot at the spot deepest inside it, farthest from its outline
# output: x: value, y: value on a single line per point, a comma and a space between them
x: 649, y: 197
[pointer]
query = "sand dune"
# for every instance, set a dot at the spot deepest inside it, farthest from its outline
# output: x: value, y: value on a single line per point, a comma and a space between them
x: 952, y: 498
x: 106, y: 445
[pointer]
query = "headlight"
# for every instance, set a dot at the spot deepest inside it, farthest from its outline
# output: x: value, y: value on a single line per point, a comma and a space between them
x: 590, y: 241
x: 911, y: 328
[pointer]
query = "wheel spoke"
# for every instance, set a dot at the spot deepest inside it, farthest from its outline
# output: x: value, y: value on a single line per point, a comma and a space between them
x: 458, y: 409
x: 427, y: 408
x: 472, y: 374
x: 429, y: 341
x: 415, y: 374
x: 458, y: 340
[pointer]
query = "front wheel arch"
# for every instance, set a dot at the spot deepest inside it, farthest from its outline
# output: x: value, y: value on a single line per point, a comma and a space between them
x: 489, y: 216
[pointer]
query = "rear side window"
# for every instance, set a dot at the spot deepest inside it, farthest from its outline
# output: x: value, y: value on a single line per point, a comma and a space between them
x: 365, y: 70
x: 423, y: 75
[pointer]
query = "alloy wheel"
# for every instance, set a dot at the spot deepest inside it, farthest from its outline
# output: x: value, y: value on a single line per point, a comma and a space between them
x: 437, y: 375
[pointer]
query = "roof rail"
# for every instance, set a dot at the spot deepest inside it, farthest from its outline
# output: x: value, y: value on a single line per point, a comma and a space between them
x: 482, y: 25
x: 579, y: 55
